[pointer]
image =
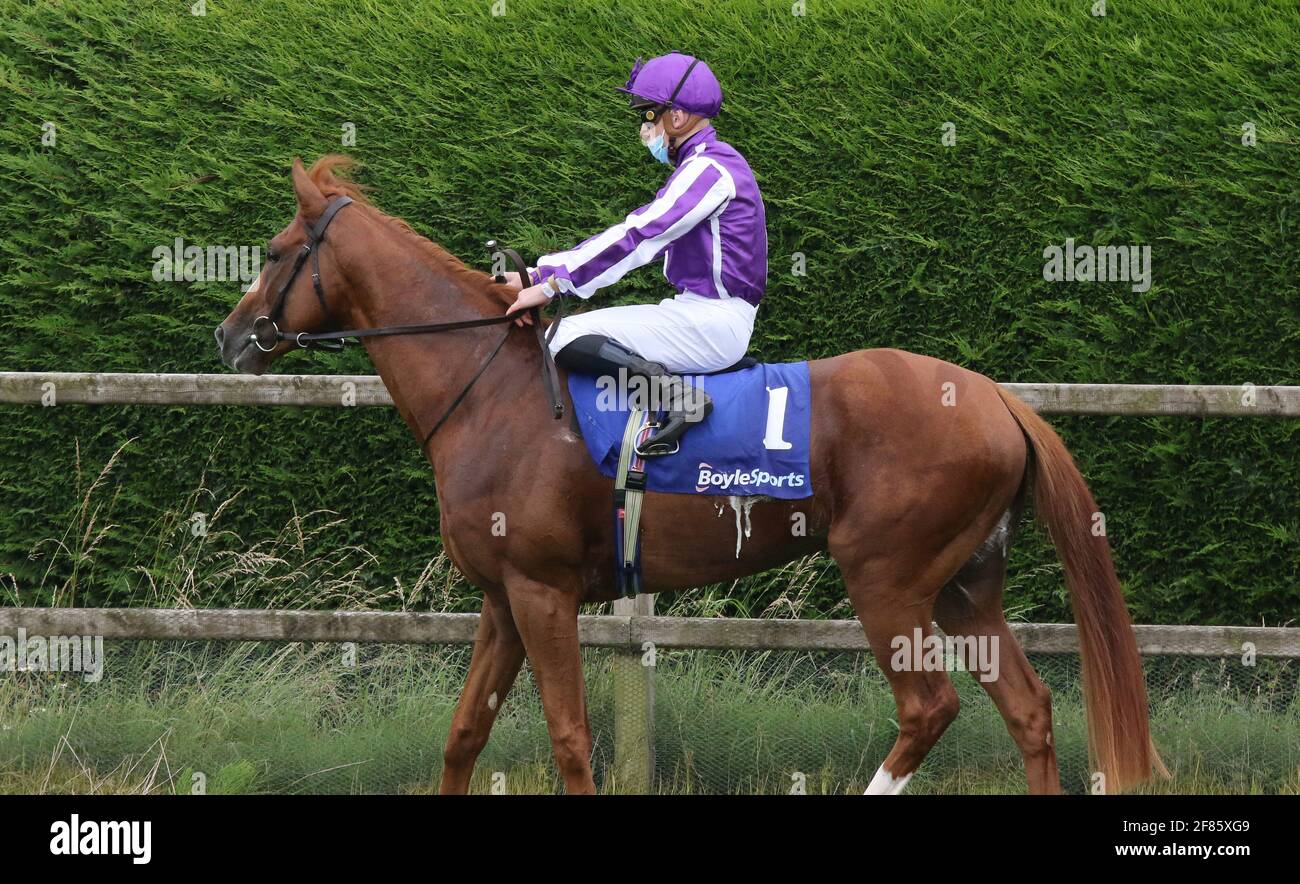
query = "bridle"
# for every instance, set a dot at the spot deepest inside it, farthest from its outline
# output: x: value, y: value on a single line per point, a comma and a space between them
x: 315, y: 236
x: 267, y: 333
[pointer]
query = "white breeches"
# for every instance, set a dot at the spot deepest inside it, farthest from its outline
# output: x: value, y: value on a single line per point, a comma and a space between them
x: 688, y: 333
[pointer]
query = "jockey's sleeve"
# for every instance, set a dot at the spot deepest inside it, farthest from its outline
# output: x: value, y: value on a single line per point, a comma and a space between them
x: 699, y: 189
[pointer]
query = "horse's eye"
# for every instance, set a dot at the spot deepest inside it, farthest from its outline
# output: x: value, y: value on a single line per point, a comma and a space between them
x: 272, y: 255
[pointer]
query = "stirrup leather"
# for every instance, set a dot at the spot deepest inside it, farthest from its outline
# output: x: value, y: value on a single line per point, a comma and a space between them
x: 629, y: 491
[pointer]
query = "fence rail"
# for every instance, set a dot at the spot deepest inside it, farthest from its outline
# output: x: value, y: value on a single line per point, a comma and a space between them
x: 621, y: 631
x: 74, y: 388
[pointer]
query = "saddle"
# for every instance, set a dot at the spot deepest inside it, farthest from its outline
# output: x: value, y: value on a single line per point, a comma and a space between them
x: 636, y: 448
x: 755, y: 444
x: 630, y: 486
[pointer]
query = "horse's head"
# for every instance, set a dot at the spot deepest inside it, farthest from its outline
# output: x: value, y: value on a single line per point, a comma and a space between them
x: 302, y: 287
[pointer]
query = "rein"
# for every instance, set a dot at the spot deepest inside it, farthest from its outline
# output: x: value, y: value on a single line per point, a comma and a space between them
x: 267, y: 333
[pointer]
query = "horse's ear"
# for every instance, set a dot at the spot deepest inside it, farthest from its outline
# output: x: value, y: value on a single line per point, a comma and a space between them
x: 311, y: 201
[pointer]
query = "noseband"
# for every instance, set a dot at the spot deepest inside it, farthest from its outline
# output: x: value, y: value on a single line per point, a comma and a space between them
x: 267, y: 333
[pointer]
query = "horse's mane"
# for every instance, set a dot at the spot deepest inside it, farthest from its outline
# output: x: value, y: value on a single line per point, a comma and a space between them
x: 329, y: 174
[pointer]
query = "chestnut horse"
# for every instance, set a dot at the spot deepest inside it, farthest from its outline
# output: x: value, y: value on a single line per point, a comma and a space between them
x: 919, y: 471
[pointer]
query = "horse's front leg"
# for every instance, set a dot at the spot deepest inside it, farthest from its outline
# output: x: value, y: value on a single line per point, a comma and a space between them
x: 547, y: 618
x: 498, y: 654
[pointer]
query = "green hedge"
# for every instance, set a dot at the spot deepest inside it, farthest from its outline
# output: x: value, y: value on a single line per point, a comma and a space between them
x: 1123, y: 129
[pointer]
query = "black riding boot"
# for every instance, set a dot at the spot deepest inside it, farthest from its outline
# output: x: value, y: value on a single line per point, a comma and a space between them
x: 684, y: 403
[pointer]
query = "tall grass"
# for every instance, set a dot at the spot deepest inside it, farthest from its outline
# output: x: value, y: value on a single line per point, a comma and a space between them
x: 177, y: 717
x: 190, y: 558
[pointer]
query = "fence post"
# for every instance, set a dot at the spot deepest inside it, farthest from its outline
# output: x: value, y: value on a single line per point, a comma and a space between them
x: 634, y: 708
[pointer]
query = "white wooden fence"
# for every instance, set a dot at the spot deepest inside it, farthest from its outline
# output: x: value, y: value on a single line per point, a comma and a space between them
x: 632, y: 626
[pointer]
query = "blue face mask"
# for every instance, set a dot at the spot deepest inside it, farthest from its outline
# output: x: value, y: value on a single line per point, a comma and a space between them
x: 658, y: 148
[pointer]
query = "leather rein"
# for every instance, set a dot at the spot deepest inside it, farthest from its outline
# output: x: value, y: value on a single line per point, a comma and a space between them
x: 267, y: 333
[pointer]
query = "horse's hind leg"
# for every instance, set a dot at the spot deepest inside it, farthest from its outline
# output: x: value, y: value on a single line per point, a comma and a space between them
x: 970, y: 606
x: 894, y: 582
x: 498, y: 654
x: 927, y: 701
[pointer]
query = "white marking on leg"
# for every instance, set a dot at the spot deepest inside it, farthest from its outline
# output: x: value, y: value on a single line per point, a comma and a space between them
x: 883, y: 783
x: 492, y: 701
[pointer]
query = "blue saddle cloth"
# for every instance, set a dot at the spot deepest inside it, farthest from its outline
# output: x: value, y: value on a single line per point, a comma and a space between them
x: 754, y: 442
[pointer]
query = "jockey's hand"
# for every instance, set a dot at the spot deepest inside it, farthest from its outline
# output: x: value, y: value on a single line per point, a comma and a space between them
x: 533, y: 296
x: 514, y: 281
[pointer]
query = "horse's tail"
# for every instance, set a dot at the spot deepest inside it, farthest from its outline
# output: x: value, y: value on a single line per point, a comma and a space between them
x: 1114, y: 689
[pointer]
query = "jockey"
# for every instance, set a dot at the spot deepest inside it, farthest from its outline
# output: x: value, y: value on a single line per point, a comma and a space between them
x: 707, y: 222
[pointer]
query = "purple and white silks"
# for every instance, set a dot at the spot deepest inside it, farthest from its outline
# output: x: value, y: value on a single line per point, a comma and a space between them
x: 707, y: 222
